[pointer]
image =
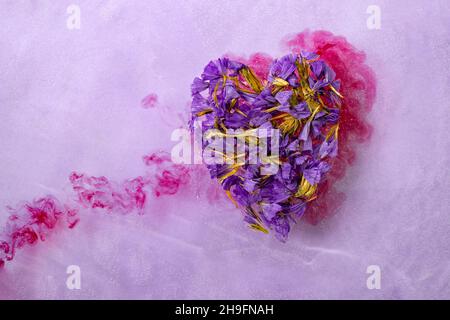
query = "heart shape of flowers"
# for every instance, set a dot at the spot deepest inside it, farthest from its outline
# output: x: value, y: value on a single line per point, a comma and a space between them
x: 299, y: 99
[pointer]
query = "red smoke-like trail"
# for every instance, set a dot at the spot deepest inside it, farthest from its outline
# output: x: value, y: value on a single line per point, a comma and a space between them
x: 33, y: 221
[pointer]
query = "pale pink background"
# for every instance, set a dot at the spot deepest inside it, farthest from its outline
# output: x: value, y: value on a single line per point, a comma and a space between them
x: 70, y: 100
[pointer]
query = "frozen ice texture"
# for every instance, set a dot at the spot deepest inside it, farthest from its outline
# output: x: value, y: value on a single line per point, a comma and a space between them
x: 70, y: 100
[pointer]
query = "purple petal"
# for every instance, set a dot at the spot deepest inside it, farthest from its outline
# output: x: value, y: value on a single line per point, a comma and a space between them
x: 270, y: 210
x: 312, y: 175
x: 283, y: 97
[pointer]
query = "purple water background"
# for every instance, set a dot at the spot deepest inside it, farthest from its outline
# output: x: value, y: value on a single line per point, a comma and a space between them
x: 70, y: 100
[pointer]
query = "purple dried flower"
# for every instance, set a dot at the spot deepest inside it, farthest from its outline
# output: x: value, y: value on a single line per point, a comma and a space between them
x: 283, y: 67
x: 301, y: 100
